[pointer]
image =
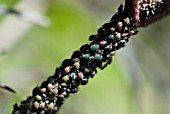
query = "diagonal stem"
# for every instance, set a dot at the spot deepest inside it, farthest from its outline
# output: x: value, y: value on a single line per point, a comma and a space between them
x: 76, y: 71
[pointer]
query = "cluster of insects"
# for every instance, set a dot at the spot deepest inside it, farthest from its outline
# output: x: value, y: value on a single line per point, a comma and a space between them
x: 148, y: 8
x: 49, y: 97
x: 144, y: 9
x: 83, y: 64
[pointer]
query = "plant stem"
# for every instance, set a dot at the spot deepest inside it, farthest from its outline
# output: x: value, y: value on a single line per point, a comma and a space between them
x: 76, y: 71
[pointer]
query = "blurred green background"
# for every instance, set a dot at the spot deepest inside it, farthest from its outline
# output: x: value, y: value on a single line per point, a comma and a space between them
x: 137, y: 81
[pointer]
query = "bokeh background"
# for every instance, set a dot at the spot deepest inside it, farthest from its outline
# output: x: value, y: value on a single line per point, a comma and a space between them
x: 137, y: 81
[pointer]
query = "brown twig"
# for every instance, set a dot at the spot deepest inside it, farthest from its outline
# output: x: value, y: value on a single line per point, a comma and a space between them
x: 51, y: 94
x: 146, y: 12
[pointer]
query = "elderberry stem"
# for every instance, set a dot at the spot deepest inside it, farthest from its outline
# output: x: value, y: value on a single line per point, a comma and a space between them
x: 51, y: 94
